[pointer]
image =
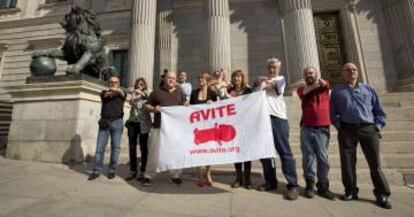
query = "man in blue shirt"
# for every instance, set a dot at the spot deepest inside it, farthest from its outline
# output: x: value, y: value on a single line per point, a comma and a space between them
x: 358, y: 116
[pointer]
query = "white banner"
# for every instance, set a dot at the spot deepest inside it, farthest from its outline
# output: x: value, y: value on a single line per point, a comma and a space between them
x: 227, y: 131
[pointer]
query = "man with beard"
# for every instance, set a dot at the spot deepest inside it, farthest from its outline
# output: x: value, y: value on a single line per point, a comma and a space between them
x: 314, y: 133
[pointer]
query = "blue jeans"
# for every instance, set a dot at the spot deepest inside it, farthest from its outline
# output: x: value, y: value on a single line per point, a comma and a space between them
x: 115, y: 131
x: 314, y: 143
x: 280, y: 129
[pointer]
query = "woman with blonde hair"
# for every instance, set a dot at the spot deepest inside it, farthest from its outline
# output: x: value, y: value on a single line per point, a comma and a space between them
x: 203, y: 94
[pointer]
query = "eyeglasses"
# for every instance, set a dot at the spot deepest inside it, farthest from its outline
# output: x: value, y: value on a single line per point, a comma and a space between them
x: 114, y: 82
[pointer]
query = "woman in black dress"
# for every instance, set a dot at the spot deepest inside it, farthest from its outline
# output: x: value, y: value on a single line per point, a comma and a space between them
x: 237, y: 88
x: 203, y: 94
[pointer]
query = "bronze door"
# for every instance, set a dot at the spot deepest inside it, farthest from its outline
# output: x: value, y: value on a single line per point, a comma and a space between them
x: 328, y: 36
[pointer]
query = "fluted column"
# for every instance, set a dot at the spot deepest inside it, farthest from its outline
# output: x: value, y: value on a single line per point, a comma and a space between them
x: 142, y: 41
x: 301, y: 45
x: 218, y: 35
x: 167, y: 37
x: 399, y: 17
x: 353, y: 49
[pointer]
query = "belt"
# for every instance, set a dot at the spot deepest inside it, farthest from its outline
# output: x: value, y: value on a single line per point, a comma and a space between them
x: 343, y: 124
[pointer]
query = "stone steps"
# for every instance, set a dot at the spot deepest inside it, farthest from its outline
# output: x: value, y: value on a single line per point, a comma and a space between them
x: 387, y: 136
x: 6, y: 109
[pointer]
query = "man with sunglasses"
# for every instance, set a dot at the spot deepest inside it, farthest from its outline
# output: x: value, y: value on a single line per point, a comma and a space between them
x: 110, y: 125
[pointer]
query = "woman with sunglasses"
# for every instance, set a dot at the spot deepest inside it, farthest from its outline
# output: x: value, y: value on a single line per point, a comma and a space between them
x: 139, y: 125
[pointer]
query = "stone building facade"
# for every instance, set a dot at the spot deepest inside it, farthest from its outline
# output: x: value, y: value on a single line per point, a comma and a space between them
x: 145, y: 36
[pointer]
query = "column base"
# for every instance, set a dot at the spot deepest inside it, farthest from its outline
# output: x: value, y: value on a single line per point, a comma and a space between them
x: 54, y: 121
x: 405, y: 85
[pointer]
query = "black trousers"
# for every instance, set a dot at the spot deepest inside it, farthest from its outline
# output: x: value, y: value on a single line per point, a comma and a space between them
x: 368, y: 137
x: 133, y: 136
x: 243, y: 176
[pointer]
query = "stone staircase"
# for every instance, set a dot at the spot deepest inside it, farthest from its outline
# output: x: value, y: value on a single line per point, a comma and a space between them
x: 6, y: 108
x: 397, y: 145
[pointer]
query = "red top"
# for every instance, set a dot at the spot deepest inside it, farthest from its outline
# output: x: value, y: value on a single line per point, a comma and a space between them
x: 315, y: 106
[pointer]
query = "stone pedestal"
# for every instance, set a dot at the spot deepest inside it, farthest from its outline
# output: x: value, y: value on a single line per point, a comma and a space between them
x: 54, y: 121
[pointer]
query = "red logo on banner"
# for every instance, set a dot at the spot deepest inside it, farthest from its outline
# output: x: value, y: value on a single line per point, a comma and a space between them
x: 218, y: 133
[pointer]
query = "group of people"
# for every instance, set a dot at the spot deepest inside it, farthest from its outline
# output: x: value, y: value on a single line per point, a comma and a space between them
x: 352, y: 107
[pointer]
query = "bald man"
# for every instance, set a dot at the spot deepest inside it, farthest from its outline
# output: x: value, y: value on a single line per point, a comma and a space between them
x: 357, y: 114
x: 169, y: 94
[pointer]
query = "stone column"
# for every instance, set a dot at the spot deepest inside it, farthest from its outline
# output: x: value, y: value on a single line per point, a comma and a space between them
x: 167, y: 37
x: 352, y: 41
x: 142, y: 41
x: 399, y: 18
x: 301, y: 45
x: 218, y: 35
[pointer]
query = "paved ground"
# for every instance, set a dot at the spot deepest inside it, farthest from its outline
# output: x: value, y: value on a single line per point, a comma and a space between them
x: 39, y: 189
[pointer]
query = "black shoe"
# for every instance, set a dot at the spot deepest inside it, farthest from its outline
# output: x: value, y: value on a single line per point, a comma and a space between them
x: 131, y: 176
x: 176, y: 181
x: 248, y: 186
x: 327, y: 194
x: 291, y: 194
x: 382, y: 201
x: 140, y: 177
x: 267, y: 187
x: 111, y: 175
x: 93, y: 176
x: 349, y: 196
x: 309, y: 192
x: 146, y: 182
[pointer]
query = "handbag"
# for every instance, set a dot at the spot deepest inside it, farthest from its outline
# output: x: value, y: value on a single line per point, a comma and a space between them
x: 104, y: 123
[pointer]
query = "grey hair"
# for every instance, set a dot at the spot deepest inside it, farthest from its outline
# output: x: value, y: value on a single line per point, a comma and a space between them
x: 274, y: 60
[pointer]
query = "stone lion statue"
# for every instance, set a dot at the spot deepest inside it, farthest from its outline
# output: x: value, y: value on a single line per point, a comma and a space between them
x: 83, y: 48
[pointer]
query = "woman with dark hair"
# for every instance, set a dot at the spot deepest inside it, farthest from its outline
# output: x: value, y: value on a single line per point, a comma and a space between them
x: 203, y: 94
x: 237, y: 88
x: 139, y: 125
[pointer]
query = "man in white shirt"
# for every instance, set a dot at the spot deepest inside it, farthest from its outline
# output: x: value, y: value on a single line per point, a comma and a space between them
x: 274, y: 85
x: 185, y: 86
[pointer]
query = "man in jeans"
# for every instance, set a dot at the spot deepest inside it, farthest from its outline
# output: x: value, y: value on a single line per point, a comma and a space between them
x: 274, y: 85
x: 169, y: 94
x: 110, y: 125
x: 357, y: 114
x: 314, y: 132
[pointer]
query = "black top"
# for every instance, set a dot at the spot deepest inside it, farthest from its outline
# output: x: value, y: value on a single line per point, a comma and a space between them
x: 246, y: 90
x: 211, y: 95
x: 164, y: 98
x: 112, y: 106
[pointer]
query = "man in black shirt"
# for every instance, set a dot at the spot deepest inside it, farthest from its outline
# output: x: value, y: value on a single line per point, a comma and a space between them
x: 110, y: 125
x: 169, y: 94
